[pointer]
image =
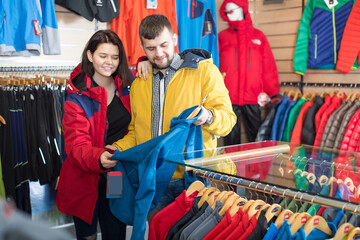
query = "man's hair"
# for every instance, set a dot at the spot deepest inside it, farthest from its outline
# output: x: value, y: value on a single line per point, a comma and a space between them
x: 152, y: 25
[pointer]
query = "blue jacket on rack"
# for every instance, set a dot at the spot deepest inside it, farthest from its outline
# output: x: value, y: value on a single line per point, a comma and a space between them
x: 145, y: 173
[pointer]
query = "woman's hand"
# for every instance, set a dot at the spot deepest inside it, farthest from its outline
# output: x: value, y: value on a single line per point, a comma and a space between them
x: 143, y: 69
x: 105, y: 160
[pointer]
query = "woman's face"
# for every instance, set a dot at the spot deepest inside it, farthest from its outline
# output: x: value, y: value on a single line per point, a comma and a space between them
x: 105, y: 59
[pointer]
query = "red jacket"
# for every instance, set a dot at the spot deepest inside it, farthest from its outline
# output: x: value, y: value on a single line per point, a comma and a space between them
x: 350, y: 42
x: 247, y: 59
x: 84, y: 130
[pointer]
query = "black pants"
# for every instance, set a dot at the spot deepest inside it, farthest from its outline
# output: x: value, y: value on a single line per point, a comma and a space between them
x: 251, y: 115
x: 111, y: 227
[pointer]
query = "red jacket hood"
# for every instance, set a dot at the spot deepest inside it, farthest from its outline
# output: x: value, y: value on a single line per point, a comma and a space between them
x: 245, y: 6
x: 77, y: 84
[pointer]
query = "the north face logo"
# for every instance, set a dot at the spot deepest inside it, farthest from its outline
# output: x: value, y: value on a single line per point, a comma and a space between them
x: 256, y: 41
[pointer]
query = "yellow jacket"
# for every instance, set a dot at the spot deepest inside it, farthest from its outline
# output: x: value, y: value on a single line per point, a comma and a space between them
x: 186, y: 89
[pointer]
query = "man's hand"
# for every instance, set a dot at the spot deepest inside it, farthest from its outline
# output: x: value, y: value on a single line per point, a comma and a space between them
x: 104, y: 160
x: 112, y: 147
x: 143, y: 69
x: 203, y: 117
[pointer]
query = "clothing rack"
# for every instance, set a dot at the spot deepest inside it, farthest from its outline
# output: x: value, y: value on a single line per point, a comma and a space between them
x: 307, y: 84
x: 279, y: 191
x: 36, y: 68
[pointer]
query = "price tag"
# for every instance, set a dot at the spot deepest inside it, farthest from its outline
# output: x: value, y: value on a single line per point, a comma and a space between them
x: 37, y: 28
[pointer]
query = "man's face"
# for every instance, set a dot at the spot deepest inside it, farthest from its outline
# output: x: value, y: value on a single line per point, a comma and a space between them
x: 160, y: 50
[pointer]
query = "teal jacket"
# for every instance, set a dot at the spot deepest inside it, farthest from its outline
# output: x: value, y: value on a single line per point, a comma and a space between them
x: 146, y: 174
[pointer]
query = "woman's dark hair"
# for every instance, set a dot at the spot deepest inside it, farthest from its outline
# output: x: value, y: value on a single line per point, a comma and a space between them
x: 106, y: 36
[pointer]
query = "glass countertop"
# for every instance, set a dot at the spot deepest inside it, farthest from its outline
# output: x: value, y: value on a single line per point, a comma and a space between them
x: 303, y: 167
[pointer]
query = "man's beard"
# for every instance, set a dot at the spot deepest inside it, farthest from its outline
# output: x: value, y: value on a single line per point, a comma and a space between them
x: 156, y: 66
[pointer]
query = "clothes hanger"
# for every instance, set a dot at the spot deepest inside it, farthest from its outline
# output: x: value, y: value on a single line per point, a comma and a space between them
x: 202, y: 191
x: 331, y: 179
x: 249, y: 202
x: 323, y: 180
x: 311, y: 178
x: 348, y: 98
x: 265, y: 206
x: 196, y: 111
x: 2, y: 121
x: 355, y: 96
x: 274, y: 209
x: 291, y: 94
x: 344, y: 229
x: 239, y: 203
x: 307, y: 95
x: 317, y: 222
x: 229, y: 202
x: 299, y: 220
x: 206, y: 195
x: 212, y: 199
x: 353, y: 233
x: 341, y: 95
x: 313, y: 96
x: 323, y: 94
x: 285, y: 213
x: 195, y: 186
x: 254, y: 208
x: 333, y: 93
x: 297, y: 95
x: 349, y: 182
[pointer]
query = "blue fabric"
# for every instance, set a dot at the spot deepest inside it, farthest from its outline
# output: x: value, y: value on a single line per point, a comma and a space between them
x: 145, y: 173
x: 321, y: 44
x: 271, y: 233
x: 285, y: 233
x: 281, y: 129
x: 198, y: 26
x: 278, y: 118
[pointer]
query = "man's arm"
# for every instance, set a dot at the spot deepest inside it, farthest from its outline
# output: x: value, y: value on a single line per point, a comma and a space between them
x: 129, y: 140
x: 218, y: 101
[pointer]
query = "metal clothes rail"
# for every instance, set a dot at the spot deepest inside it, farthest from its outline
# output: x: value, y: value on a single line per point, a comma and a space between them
x: 280, y: 191
x: 36, y: 68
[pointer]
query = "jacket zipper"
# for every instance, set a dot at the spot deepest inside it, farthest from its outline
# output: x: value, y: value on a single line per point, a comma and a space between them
x: 334, y: 30
x: 316, y: 37
x: 235, y: 58
x: 249, y: 58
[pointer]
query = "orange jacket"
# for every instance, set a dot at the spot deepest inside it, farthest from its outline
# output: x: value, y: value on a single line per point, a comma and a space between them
x: 350, y: 43
x: 126, y: 25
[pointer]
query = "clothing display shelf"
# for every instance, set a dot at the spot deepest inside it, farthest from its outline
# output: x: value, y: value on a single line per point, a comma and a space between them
x: 270, y: 167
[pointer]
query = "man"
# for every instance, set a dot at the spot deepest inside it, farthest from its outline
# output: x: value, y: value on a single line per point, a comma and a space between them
x: 177, y: 82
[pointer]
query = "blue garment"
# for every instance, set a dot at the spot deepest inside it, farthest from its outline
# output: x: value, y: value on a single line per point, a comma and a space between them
x: 281, y: 129
x: 272, y: 232
x: 18, y: 37
x: 145, y: 173
x: 278, y: 118
x: 285, y: 233
x: 198, y: 26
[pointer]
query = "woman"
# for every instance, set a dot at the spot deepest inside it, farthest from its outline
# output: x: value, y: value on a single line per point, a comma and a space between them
x: 96, y: 114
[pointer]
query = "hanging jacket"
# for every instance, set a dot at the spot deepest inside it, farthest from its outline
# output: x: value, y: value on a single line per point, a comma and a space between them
x: 182, y: 93
x: 350, y: 43
x: 198, y: 26
x: 146, y: 174
x: 345, y: 122
x: 296, y: 133
x: 320, y: 112
x: 84, y: 130
x: 246, y: 58
x: 319, y: 35
x: 293, y: 115
x: 264, y: 132
x: 278, y: 118
x: 18, y: 34
x: 333, y: 124
x: 308, y: 132
x: 285, y: 118
x: 336, y: 102
x: 126, y: 25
